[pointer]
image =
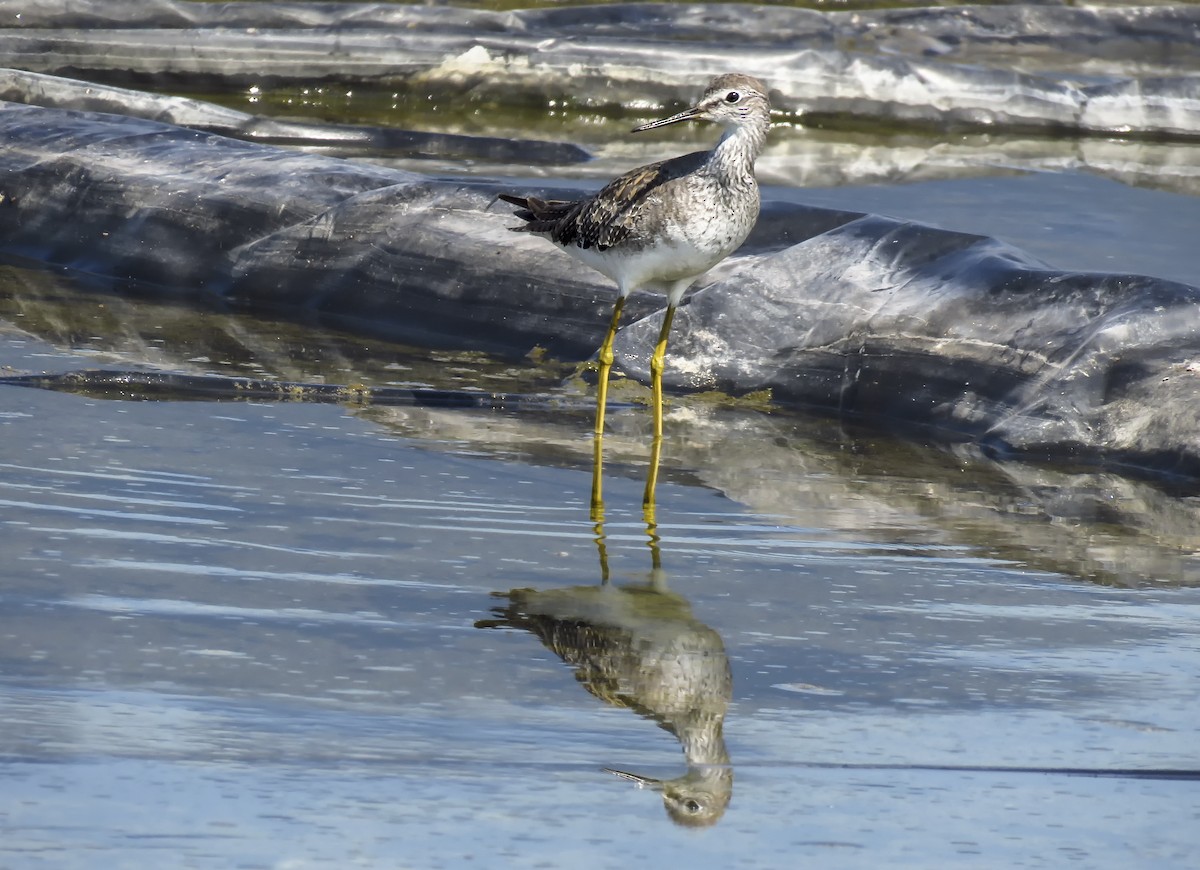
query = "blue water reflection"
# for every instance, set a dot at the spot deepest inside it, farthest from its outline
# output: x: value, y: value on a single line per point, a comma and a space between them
x: 245, y: 634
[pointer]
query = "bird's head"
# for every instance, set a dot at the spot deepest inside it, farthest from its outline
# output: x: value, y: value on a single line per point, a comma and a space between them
x: 697, y: 799
x: 731, y: 100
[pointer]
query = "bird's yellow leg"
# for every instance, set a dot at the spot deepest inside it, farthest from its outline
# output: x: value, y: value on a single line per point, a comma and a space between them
x: 606, y: 360
x: 648, y: 510
x: 657, y: 362
x: 605, y: 356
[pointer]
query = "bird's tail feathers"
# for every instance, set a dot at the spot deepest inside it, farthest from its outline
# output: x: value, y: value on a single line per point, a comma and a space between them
x: 540, y: 216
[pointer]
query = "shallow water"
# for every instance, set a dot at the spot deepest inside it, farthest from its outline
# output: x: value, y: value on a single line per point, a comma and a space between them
x: 244, y: 634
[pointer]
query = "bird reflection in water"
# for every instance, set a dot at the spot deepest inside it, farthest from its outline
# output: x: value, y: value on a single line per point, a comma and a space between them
x: 639, y: 646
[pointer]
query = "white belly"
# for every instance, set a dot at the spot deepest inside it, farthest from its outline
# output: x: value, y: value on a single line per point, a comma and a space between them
x: 661, y: 265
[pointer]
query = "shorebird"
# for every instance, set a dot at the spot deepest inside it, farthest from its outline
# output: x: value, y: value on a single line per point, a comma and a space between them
x: 665, y: 224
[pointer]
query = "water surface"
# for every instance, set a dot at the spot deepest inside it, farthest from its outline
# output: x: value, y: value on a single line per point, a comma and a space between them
x: 244, y: 634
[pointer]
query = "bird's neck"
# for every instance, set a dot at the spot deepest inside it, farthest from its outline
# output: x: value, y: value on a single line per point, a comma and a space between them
x: 738, y: 148
x: 702, y: 739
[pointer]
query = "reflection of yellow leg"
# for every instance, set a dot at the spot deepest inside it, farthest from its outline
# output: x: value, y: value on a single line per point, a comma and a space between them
x: 657, y: 362
x: 597, y: 478
x: 658, y: 577
x: 606, y: 360
x: 598, y: 516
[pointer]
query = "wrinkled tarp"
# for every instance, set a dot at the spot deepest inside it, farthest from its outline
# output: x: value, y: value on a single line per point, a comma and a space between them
x: 852, y: 313
x: 20, y: 86
x: 1044, y: 67
x: 804, y: 160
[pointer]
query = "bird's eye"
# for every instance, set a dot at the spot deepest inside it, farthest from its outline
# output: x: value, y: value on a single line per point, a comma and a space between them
x: 732, y: 97
x: 691, y: 804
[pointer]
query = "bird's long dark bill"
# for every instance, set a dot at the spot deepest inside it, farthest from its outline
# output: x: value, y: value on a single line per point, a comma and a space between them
x: 642, y: 781
x: 687, y: 115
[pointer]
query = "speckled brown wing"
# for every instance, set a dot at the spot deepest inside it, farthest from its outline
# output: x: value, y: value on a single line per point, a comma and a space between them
x: 609, y: 217
x: 612, y: 215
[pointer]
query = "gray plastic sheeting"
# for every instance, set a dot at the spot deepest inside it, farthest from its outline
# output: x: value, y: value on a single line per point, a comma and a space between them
x: 886, y: 319
x: 38, y: 89
x: 857, y: 314
x: 993, y: 67
x: 380, y: 250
